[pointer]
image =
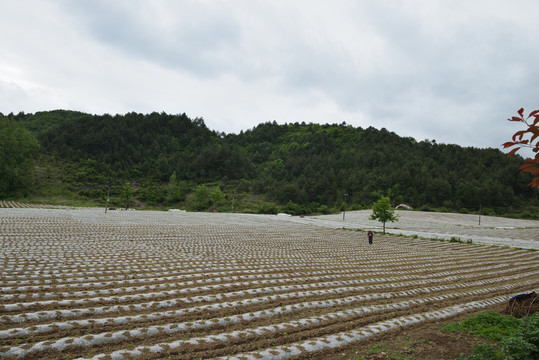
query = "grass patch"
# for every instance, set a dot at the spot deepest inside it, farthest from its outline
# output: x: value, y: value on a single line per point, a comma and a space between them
x: 490, y: 325
x: 516, y: 339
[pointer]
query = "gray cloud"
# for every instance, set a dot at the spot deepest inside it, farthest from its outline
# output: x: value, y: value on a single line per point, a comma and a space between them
x: 179, y: 35
x: 450, y: 71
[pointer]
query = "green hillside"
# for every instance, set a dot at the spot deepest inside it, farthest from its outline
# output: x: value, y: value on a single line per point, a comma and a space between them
x: 174, y: 161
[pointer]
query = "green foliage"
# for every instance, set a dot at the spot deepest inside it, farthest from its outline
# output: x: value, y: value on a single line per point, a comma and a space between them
x: 309, y: 165
x: 174, y: 191
x: 323, y: 209
x: 456, y: 239
x: 292, y: 208
x: 383, y: 211
x: 490, y: 325
x: 18, y: 151
x: 517, y: 348
x: 126, y: 194
x: 44, y: 121
x: 518, y: 338
x: 151, y: 146
x: 267, y: 208
x: 524, y: 344
x: 202, y: 197
x: 306, y: 163
x: 151, y: 195
x: 217, y: 196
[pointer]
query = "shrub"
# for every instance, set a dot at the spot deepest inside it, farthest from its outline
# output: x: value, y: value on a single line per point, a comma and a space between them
x: 528, y: 215
x: 519, y: 338
x: 267, y: 208
x: 294, y: 209
x: 323, y: 209
x: 525, y: 343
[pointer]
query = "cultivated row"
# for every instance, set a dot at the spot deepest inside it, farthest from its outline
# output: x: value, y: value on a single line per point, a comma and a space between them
x: 85, y: 284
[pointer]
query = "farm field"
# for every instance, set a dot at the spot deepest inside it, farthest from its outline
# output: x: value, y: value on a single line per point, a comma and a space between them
x: 489, y: 230
x: 82, y: 284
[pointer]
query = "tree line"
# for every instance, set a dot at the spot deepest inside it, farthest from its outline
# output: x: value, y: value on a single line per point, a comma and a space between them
x: 303, y: 167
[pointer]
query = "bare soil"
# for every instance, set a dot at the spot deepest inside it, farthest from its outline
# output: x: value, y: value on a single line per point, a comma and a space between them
x: 61, y: 252
x: 424, y: 341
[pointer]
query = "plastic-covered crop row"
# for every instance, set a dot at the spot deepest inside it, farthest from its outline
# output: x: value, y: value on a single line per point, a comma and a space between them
x: 80, y: 283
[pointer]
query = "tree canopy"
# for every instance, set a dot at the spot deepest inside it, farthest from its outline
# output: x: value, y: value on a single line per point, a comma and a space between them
x: 18, y: 150
x: 302, y: 166
x: 383, y: 211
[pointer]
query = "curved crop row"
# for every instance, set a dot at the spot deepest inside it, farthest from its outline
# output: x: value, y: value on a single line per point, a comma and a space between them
x: 84, y: 284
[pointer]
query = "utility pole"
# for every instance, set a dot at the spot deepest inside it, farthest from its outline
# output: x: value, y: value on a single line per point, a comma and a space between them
x: 108, y: 196
x: 479, y: 214
x: 344, y: 211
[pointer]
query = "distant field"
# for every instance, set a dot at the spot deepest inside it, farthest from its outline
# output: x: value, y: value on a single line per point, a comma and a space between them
x: 480, y: 229
x: 79, y: 283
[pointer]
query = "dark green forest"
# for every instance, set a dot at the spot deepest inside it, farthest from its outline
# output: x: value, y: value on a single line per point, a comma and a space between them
x: 163, y: 160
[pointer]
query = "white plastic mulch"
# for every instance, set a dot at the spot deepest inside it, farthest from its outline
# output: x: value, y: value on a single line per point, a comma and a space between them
x: 136, y: 273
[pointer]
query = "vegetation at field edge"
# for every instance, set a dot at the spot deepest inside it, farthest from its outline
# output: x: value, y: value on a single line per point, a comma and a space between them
x: 515, y: 339
x: 172, y: 161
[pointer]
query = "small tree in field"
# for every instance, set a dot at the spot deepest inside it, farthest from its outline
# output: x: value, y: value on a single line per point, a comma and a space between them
x: 202, y: 197
x: 527, y: 138
x: 127, y: 194
x: 383, y: 212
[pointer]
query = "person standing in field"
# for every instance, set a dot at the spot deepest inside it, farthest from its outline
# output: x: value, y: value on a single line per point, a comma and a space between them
x: 370, y: 235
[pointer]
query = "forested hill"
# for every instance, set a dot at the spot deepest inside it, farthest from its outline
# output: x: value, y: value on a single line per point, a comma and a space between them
x: 303, y: 164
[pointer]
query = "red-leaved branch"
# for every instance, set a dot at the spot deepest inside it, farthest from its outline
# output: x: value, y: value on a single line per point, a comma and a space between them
x: 527, y: 138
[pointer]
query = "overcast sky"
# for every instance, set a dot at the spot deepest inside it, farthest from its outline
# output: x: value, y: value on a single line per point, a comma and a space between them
x: 452, y: 70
